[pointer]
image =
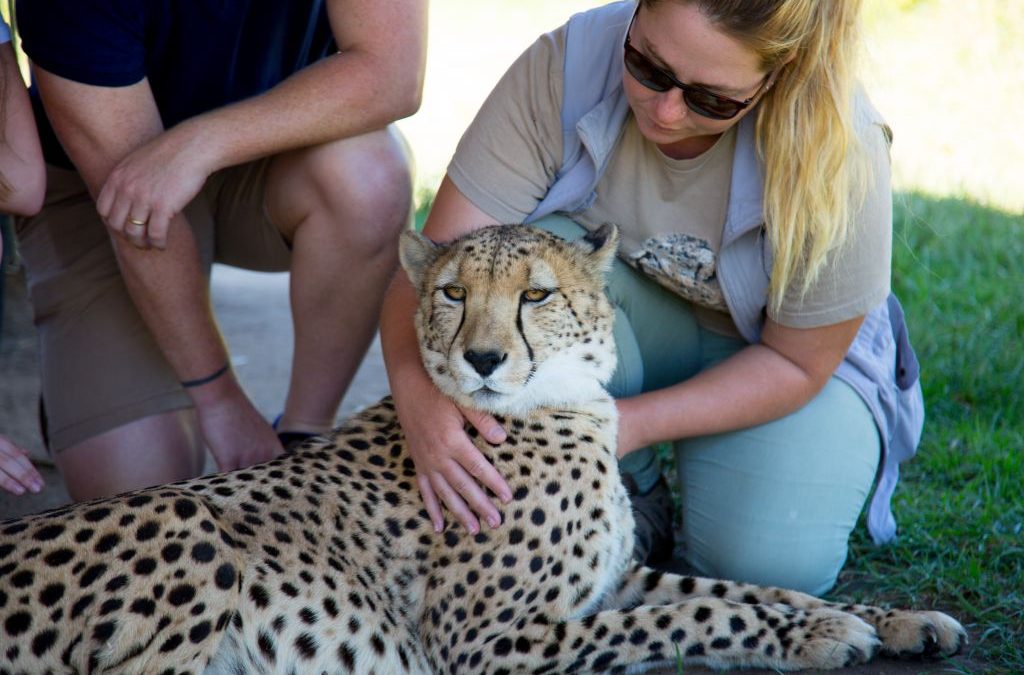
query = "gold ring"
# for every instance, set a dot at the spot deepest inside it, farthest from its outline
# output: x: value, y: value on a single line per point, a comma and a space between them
x: 134, y: 221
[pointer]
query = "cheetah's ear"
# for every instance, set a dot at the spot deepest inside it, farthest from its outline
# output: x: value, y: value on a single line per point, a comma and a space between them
x: 599, y: 246
x: 417, y: 254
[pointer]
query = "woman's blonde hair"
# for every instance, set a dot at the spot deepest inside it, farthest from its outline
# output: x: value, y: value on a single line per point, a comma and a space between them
x: 816, y: 170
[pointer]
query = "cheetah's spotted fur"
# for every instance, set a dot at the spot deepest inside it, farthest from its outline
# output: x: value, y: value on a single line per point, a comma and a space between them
x: 324, y: 561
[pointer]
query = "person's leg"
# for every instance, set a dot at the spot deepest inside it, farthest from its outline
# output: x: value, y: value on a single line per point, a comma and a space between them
x: 154, y: 450
x: 775, y: 504
x: 117, y: 419
x: 342, y: 207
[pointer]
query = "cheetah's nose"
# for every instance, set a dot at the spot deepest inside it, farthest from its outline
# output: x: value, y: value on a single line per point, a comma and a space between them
x: 484, y: 363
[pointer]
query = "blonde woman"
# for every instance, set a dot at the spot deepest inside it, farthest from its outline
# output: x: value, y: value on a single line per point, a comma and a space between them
x: 755, y: 328
x: 22, y: 183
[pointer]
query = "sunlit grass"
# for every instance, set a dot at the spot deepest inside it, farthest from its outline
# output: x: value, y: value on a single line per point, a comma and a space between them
x: 947, y: 75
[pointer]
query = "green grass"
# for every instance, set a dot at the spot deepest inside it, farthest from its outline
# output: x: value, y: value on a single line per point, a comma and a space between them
x: 960, y: 504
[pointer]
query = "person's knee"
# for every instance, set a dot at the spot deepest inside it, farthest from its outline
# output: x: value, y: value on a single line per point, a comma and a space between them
x: 156, y: 449
x: 364, y: 186
x: 807, y: 566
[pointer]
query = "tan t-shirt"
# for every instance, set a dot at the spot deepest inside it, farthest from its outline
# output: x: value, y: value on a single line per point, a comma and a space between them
x: 670, y: 212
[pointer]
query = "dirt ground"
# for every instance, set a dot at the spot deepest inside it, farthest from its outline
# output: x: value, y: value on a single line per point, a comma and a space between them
x: 253, y: 312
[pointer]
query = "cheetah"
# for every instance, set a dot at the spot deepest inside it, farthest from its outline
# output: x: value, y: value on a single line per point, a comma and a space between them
x: 325, y: 561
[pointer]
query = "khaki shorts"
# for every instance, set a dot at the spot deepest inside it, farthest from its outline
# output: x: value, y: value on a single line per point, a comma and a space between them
x: 101, y: 367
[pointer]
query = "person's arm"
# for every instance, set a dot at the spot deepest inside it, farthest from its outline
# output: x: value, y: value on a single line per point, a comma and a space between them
x: 97, y: 127
x: 22, y: 172
x: 760, y: 383
x: 375, y: 79
x: 448, y: 465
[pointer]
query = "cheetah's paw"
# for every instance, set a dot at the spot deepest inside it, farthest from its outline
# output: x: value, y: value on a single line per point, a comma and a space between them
x: 833, y: 639
x: 928, y: 634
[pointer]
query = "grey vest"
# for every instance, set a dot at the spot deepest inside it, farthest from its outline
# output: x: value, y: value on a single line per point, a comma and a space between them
x: 880, y: 365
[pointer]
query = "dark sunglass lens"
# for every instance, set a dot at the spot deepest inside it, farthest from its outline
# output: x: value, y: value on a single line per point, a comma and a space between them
x: 645, y: 72
x: 707, y: 104
x: 699, y: 101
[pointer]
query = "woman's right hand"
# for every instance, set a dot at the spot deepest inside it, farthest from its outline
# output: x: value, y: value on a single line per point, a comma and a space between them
x: 450, y: 469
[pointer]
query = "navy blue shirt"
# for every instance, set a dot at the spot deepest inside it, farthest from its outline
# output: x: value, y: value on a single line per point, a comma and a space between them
x: 198, y: 55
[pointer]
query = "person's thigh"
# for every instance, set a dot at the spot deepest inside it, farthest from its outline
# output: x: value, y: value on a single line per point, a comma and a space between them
x: 101, y: 368
x: 775, y: 504
x: 244, y: 235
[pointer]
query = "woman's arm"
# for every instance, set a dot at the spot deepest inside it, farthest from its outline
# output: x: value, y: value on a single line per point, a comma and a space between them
x: 22, y: 173
x: 448, y: 464
x: 760, y: 383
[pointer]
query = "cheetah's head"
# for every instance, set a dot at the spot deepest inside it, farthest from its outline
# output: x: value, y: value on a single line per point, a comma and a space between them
x: 512, y: 318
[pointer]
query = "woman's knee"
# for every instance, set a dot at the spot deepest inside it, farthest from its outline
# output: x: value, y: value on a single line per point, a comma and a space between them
x: 775, y: 504
x: 805, y: 563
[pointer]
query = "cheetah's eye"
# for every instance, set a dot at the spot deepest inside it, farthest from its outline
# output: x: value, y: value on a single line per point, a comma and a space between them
x: 454, y: 293
x: 536, y: 294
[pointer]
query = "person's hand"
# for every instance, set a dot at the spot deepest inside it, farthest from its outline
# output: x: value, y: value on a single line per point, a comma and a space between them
x: 236, y: 433
x: 16, y: 471
x: 448, y: 465
x: 151, y: 185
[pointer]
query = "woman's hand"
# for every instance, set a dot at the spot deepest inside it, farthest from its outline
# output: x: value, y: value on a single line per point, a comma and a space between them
x: 16, y: 471
x: 448, y: 465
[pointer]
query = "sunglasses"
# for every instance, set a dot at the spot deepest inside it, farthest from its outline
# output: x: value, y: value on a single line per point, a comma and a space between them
x: 699, y: 100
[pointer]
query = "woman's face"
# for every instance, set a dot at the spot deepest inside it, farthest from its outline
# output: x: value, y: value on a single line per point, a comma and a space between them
x: 679, y: 39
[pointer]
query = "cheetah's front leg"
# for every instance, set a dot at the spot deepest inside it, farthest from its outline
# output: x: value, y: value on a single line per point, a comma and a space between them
x: 902, y: 632
x: 707, y: 631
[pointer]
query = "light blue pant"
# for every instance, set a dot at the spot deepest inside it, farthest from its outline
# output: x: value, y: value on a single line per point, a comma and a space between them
x: 772, y: 504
